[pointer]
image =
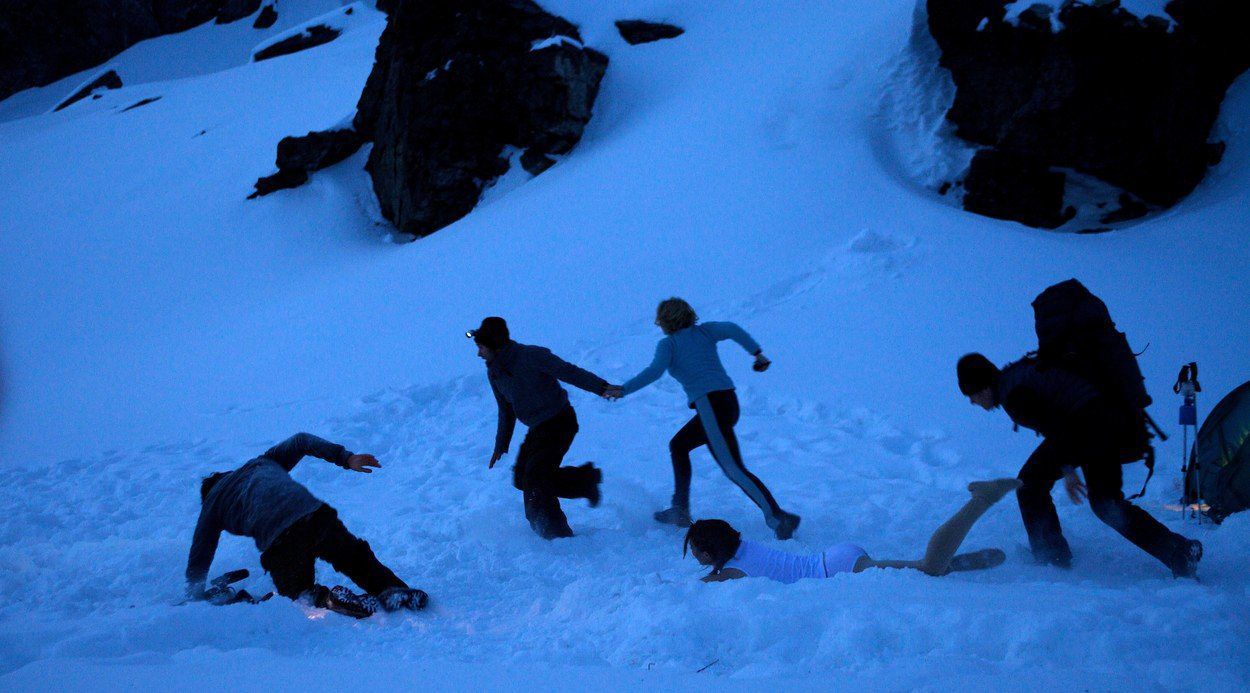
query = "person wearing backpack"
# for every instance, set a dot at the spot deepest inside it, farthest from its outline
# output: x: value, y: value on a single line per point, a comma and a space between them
x: 1081, y: 429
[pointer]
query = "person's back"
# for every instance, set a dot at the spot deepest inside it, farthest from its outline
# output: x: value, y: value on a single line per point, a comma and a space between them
x: 258, y: 500
x: 696, y: 362
x: 1042, y: 399
x: 528, y: 378
x: 691, y: 357
x: 757, y: 560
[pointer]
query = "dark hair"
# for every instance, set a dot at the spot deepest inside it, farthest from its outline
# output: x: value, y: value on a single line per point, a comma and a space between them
x: 207, y: 484
x: 975, y: 373
x: 716, y: 538
x: 674, y: 314
x: 493, y: 333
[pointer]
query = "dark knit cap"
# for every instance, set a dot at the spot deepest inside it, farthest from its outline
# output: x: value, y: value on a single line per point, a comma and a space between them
x: 975, y: 373
x: 493, y: 334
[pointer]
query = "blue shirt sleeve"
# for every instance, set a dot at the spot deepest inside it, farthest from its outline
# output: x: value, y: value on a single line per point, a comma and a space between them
x: 721, y: 331
x: 659, y: 364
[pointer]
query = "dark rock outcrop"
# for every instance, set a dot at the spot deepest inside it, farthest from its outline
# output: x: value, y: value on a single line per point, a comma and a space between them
x: 1008, y: 186
x: 455, y: 83
x: 298, y: 156
x: 42, y: 41
x: 108, y: 80
x: 315, y: 35
x: 234, y: 10
x: 636, y: 31
x: 266, y: 18
x: 141, y: 103
x: 1126, y: 100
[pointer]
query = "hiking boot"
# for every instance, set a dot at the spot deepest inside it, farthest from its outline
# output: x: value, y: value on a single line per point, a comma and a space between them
x: 786, y: 524
x: 396, y: 598
x: 594, y: 495
x: 341, y: 600
x: 674, y: 516
x: 1185, y: 565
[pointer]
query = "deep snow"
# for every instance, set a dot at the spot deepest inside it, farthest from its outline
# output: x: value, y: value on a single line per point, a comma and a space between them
x: 766, y: 164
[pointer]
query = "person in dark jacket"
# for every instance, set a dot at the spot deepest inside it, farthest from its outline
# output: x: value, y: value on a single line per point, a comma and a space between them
x: 1081, y: 430
x: 291, y: 527
x: 526, y: 383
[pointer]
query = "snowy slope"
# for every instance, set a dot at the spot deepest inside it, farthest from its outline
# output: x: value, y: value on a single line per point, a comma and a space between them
x: 156, y: 326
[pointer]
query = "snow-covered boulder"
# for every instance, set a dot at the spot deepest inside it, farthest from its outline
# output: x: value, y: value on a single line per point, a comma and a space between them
x: 455, y: 83
x: 1126, y: 93
x: 42, y: 41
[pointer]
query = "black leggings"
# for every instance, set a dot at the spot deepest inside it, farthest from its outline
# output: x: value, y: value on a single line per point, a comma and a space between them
x: 714, y: 426
x: 291, y: 559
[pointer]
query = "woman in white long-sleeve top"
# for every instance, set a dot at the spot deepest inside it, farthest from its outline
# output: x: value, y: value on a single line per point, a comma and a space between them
x: 688, y: 353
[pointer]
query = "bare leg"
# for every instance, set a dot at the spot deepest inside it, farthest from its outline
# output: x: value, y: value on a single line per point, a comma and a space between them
x: 946, y: 540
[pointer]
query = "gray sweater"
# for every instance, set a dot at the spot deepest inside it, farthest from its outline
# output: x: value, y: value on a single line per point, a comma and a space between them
x: 525, y: 382
x: 258, y: 500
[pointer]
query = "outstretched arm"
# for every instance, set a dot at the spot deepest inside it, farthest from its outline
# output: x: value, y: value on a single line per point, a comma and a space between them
x: 562, y: 370
x: 663, y: 357
x: 200, y: 559
x: 505, y: 427
x: 721, y: 331
x: 289, y: 452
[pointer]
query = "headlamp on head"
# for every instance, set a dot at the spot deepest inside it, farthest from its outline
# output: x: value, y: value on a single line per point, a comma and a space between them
x: 470, y: 333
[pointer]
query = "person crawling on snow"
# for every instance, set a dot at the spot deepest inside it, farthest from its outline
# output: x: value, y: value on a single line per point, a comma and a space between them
x: 717, y: 544
x: 292, y: 528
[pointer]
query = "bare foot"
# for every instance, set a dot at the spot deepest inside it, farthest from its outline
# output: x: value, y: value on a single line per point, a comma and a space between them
x: 993, y: 491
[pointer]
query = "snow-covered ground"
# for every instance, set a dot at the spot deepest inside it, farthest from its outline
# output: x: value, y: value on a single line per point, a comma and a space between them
x: 156, y: 326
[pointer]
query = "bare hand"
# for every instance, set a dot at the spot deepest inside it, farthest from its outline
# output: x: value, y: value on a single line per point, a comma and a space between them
x: 613, y: 393
x: 761, y: 363
x: 1074, y: 486
x: 362, y: 463
x: 493, y: 459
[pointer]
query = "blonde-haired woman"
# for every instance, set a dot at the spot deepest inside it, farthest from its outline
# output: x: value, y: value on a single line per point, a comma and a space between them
x: 688, y: 353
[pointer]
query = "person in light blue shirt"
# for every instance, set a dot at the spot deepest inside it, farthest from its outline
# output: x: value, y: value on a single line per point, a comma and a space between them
x: 688, y: 353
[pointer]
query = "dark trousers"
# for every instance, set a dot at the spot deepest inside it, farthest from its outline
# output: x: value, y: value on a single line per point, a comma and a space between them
x: 1092, y: 448
x: 539, y: 476
x: 713, y: 426
x: 320, y: 534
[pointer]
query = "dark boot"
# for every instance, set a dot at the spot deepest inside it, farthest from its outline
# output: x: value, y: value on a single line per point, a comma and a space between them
x: 397, y: 598
x: 786, y: 524
x: 1185, y: 565
x: 593, y: 493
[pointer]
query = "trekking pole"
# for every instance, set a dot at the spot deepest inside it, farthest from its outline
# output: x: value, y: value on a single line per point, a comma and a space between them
x: 1187, y: 387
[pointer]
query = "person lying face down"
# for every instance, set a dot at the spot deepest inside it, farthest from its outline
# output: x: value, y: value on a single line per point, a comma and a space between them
x: 717, y: 544
x: 292, y: 528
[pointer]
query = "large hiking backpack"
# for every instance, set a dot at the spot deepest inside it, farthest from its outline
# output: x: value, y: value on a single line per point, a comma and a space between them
x: 1075, y: 332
